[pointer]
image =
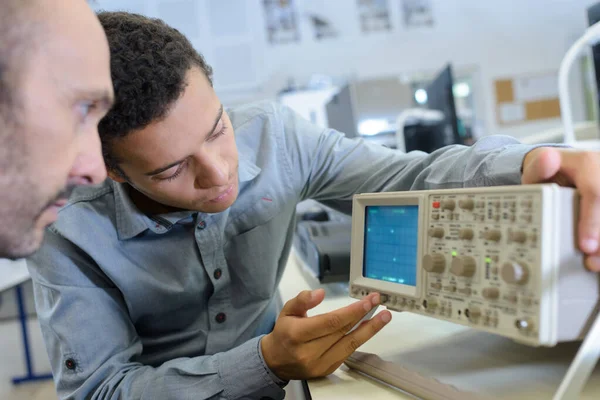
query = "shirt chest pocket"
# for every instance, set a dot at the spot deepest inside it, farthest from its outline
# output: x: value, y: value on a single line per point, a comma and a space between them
x: 253, y: 251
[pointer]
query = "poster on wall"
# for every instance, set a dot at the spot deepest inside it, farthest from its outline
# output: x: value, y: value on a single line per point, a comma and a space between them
x: 374, y: 15
x: 417, y: 13
x: 527, y: 98
x: 281, y: 21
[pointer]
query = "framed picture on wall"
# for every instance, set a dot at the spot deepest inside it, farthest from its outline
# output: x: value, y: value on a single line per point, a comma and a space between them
x: 281, y: 21
x: 417, y: 13
x: 374, y: 15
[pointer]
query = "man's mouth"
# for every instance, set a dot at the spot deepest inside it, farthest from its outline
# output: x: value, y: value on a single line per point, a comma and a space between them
x: 222, y: 196
x: 60, y: 203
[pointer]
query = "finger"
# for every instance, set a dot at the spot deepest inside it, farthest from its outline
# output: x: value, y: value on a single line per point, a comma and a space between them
x: 339, y: 321
x: 593, y: 263
x: 323, y: 344
x: 589, y: 220
x: 541, y: 165
x: 306, y: 300
x: 351, y: 342
x: 582, y: 168
x: 576, y: 167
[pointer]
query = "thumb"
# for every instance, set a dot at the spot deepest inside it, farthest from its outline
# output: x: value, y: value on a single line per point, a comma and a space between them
x: 540, y: 165
x: 299, y: 305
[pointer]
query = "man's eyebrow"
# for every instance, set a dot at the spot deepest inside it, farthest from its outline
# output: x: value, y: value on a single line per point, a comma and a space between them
x: 106, y: 101
x: 103, y: 97
x: 219, y: 115
x: 171, y: 165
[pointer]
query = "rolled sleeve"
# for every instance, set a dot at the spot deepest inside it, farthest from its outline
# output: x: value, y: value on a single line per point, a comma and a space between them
x: 281, y: 383
x: 244, y: 373
x: 331, y: 168
x: 506, y: 168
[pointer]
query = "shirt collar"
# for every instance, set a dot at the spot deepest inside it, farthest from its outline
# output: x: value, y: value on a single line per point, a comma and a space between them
x: 131, y: 221
x: 247, y: 169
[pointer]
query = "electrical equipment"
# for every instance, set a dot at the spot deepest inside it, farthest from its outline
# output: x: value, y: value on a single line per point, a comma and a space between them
x: 500, y: 259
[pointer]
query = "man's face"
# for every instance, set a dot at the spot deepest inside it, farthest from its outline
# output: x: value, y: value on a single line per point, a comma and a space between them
x: 50, y: 140
x: 189, y: 159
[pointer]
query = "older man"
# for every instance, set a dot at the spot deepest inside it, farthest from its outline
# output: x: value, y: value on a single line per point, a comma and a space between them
x: 55, y: 86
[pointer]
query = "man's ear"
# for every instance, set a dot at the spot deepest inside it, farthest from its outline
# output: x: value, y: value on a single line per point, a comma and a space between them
x: 116, y: 176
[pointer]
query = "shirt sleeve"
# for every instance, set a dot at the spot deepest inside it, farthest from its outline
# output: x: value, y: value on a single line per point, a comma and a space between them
x: 93, y: 346
x: 329, y: 167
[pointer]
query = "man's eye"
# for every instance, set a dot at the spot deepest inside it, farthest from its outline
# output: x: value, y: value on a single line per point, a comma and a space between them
x: 84, y: 109
x: 173, y: 176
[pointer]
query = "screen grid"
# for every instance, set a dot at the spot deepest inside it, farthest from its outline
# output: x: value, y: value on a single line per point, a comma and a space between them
x: 390, y: 251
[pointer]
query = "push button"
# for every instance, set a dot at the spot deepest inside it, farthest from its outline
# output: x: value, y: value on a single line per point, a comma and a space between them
x: 490, y: 293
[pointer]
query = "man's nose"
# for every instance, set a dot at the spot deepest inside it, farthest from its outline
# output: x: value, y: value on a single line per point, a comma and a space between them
x: 89, y: 165
x: 213, y: 172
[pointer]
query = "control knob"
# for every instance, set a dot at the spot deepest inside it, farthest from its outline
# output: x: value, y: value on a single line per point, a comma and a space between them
x: 448, y: 205
x: 515, y: 273
x: 518, y: 236
x: 493, y: 235
x: 434, y: 263
x: 463, y: 266
x: 466, y: 234
x: 430, y: 304
x: 466, y: 204
x: 437, y: 232
x: 473, y: 313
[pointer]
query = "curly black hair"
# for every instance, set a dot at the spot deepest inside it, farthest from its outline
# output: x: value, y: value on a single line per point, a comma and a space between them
x: 149, y: 63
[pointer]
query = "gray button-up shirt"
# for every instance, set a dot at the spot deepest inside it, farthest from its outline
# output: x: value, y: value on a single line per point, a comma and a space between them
x: 174, y: 306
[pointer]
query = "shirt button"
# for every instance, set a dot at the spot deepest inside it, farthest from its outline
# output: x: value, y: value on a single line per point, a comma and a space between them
x: 201, y: 224
x: 220, y: 318
x: 217, y: 274
x: 70, y: 364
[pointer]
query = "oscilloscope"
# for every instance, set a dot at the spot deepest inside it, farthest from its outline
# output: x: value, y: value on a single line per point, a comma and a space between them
x: 499, y: 259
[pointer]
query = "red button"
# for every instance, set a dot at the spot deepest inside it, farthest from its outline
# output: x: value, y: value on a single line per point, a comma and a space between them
x: 436, y: 204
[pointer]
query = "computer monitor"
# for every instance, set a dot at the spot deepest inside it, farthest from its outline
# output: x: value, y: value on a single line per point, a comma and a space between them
x: 423, y: 135
x: 341, y: 114
x: 441, y: 97
x: 593, y: 14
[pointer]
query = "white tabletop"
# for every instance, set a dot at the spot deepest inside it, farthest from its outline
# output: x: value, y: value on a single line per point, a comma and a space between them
x: 450, y: 352
x: 12, y: 273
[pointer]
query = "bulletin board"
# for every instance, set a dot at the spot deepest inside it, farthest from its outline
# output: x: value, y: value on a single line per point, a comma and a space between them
x: 527, y: 98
